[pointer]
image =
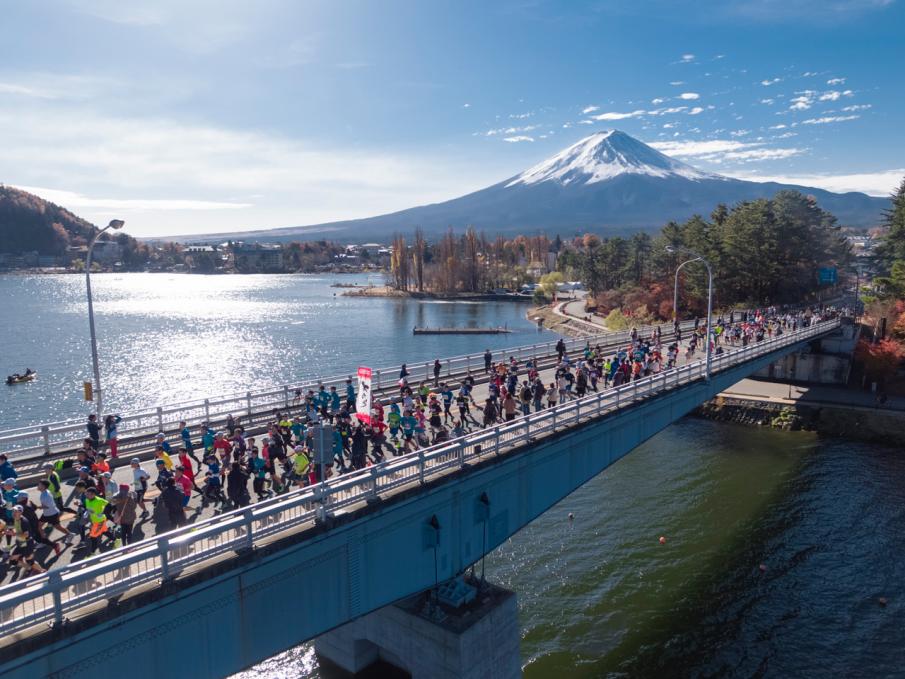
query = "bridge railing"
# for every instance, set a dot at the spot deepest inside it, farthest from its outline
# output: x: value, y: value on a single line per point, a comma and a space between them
x: 45, y: 438
x: 81, y: 586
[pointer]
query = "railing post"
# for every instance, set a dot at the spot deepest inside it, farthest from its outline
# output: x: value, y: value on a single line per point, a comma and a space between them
x: 56, y: 582
x: 159, y: 418
x: 207, y: 411
x: 577, y: 411
x: 45, y: 433
x: 427, y: 371
x: 286, y: 395
x: 248, y: 403
x: 448, y: 368
x: 372, y: 493
x: 496, y: 436
x: 461, y: 454
x: 553, y: 426
x: 421, y: 466
x: 163, y: 547
x: 468, y: 364
x: 248, y: 516
x: 378, y: 378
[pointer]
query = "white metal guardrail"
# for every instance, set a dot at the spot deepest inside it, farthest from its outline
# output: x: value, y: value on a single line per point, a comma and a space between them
x: 47, y: 438
x: 50, y: 597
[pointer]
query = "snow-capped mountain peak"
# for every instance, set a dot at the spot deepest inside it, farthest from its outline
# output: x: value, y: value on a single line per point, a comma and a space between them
x: 603, y: 156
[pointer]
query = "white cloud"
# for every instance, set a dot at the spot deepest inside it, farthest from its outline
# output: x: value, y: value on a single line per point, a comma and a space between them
x: 835, y: 81
x: 518, y: 138
x: 521, y: 116
x: 804, y: 101
x: 768, y: 102
x: 808, y: 74
x: 510, y: 130
x: 74, y: 200
x: 676, y: 83
x: 668, y: 126
x: 771, y: 81
x: 722, y: 150
x: 667, y: 111
x: 688, y: 96
x: 466, y: 105
x: 834, y: 95
x: 753, y: 155
x: 24, y: 91
x: 787, y: 135
x: 781, y: 126
x: 695, y: 111
x: 181, y: 177
x: 697, y: 148
x: 828, y: 119
x: 566, y: 126
x: 857, y: 107
x: 618, y: 116
x: 740, y: 133
x: 657, y: 101
x: 589, y: 109
x: 687, y: 58
x: 880, y: 183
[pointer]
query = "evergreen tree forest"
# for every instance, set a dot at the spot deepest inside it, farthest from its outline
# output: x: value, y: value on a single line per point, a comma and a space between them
x: 762, y: 252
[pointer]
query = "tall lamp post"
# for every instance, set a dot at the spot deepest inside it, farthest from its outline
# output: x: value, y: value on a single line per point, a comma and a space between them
x: 115, y: 224
x: 675, y: 289
x: 696, y: 256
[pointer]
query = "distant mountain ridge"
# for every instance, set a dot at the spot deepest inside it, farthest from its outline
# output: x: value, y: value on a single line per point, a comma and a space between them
x: 608, y: 182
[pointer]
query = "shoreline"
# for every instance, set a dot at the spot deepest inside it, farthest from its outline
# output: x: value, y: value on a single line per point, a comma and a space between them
x: 387, y: 291
x: 830, y: 418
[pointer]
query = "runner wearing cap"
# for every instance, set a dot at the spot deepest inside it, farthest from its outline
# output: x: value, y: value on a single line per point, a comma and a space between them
x: 20, y: 530
x: 50, y: 511
x: 139, y: 483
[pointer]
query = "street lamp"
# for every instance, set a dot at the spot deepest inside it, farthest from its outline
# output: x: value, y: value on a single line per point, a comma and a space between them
x: 115, y: 224
x: 696, y: 256
x: 675, y: 289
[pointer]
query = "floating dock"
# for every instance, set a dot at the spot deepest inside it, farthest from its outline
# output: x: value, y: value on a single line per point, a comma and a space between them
x: 459, y: 331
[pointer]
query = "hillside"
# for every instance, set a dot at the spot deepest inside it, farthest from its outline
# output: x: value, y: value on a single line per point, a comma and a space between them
x: 29, y: 223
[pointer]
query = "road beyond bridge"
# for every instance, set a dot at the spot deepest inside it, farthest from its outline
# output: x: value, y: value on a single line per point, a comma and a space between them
x: 250, y: 583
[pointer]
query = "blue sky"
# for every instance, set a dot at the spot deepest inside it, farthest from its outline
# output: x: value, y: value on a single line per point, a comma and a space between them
x: 196, y: 116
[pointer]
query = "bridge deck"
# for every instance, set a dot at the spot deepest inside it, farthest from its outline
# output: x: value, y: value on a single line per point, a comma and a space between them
x: 74, y: 590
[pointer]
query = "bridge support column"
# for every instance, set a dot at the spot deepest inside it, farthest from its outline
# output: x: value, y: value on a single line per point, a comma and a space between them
x: 478, y: 639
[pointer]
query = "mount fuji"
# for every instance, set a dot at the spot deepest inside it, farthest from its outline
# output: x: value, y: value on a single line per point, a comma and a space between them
x: 609, y: 183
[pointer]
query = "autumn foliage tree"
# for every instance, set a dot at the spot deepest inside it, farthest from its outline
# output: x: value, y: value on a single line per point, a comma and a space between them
x: 880, y: 359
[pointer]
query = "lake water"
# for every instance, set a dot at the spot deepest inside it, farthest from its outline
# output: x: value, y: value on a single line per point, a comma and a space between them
x: 176, y: 337
x: 598, y: 597
x: 601, y: 597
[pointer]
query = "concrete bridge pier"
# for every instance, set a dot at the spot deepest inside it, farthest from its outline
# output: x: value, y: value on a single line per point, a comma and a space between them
x: 428, y: 638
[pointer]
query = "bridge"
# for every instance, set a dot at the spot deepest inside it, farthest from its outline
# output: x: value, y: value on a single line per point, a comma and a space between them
x: 252, y: 582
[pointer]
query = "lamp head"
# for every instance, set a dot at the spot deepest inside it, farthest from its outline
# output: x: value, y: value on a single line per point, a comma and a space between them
x: 116, y: 224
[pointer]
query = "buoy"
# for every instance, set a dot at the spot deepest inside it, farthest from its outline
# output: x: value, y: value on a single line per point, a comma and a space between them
x: 571, y: 516
x: 882, y: 601
x: 662, y: 539
x: 763, y: 568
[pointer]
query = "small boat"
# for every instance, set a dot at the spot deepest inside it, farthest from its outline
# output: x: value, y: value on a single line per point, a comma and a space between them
x: 16, y: 378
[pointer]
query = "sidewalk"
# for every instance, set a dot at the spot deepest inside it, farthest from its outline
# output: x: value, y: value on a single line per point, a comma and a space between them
x: 809, y: 394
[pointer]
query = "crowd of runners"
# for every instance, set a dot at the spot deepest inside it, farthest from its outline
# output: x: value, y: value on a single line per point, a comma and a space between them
x: 229, y: 468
